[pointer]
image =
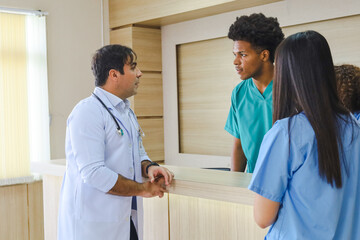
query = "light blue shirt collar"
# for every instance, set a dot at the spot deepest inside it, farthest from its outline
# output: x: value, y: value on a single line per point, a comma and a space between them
x: 115, y: 100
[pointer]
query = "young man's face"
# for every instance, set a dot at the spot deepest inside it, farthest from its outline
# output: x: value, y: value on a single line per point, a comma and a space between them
x: 247, y: 60
x: 129, y: 82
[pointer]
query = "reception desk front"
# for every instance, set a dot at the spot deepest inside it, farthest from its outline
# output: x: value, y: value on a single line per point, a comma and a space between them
x: 201, y: 204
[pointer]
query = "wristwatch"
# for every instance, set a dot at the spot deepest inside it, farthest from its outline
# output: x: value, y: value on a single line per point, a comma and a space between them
x: 151, y: 164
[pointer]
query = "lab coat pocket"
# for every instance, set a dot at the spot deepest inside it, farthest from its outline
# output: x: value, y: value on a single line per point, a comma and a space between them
x: 97, y: 206
x: 102, y: 230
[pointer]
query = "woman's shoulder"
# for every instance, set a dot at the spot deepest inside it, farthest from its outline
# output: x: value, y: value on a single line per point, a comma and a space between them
x: 357, y: 115
x: 296, y: 122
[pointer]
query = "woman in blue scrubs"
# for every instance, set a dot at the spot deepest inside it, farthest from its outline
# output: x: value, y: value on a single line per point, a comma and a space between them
x: 306, y: 178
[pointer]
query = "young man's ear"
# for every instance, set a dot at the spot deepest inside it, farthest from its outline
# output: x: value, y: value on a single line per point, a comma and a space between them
x: 265, y: 55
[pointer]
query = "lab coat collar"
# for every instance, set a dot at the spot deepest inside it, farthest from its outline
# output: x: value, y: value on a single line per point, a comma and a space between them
x: 114, y: 100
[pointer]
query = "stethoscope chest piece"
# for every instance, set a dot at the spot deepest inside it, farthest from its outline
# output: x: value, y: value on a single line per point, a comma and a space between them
x: 120, y: 132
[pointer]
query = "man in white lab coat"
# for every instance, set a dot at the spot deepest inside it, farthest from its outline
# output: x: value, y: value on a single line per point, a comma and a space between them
x: 101, y: 195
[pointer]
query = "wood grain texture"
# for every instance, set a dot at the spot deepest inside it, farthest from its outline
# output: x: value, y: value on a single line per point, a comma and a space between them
x: 51, y: 189
x: 14, y: 212
x: 146, y: 43
x: 198, y: 218
x: 342, y: 34
x: 156, y: 218
x: 162, y: 12
x: 149, y: 99
x: 122, y: 36
x: 206, y: 78
x: 212, y: 184
x: 36, y: 210
x: 154, y: 137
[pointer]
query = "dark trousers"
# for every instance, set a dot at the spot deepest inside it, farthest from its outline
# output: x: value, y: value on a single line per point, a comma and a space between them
x: 133, y: 233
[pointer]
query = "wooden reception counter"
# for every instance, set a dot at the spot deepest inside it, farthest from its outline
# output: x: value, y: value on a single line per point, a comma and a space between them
x: 201, y: 204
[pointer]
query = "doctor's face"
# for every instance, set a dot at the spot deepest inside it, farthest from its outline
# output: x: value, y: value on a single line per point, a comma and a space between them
x: 129, y: 82
x: 247, y: 60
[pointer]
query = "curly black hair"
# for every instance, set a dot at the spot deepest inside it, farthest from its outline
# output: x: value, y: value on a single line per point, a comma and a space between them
x: 348, y: 86
x: 260, y: 31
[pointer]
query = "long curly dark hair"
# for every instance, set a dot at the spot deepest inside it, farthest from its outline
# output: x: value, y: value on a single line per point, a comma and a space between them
x: 348, y: 86
x: 262, y: 32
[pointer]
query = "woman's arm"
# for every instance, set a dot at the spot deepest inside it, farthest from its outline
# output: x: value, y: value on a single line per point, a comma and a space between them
x: 265, y: 211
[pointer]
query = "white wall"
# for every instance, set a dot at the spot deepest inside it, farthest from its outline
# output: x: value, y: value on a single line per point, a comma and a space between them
x: 74, y: 32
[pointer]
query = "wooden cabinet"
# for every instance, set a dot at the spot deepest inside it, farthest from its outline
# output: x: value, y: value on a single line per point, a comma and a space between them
x: 21, y: 212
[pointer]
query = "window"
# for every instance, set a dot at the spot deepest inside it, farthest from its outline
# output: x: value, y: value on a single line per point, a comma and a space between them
x: 24, y: 113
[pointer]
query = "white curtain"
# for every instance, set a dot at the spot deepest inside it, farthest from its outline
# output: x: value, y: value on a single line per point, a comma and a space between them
x: 38, y: 107
x: 24, y: 114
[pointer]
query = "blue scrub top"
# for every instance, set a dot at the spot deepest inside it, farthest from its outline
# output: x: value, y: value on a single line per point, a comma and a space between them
x: 250, y: 117
x: 287, y: 172
x: 357, y: 115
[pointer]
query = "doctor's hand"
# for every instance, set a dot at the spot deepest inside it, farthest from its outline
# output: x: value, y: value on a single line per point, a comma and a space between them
x: 154, y: 172
x: 153, y: 189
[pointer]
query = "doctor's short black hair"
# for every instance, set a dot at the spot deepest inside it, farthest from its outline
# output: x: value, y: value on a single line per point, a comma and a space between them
x: 260, y: 31
x: 109, y: 57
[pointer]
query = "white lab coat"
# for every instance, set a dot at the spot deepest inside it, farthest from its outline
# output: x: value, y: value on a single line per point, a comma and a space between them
x: 96, y: 154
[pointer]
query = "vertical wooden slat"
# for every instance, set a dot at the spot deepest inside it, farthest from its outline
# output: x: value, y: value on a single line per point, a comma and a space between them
x: 14, y: 213
x: 156, y: 213
x: 149, y: 99
x: 51, y: 189
x: 198, y: 218
x: 154, y: 137
x: 36, y: 211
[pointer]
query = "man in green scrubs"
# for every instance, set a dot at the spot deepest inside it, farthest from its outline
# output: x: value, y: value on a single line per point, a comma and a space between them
x: 255, y: 40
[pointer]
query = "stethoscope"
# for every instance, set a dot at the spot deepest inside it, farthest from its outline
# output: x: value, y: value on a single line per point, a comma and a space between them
x: 118, y: 128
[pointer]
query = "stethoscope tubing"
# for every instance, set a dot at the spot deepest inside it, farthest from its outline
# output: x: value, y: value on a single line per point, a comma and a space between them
x: 118, y: 128
x: 116, y: 120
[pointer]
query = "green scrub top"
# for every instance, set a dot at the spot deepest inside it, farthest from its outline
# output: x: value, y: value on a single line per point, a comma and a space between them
x: 250, y: 117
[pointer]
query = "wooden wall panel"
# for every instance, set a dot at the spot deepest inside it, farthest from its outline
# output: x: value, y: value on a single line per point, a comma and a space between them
x: 146, y: 42
x: 342, y: 34
x: 206, y: 77
x: 154, y: 137
x: 149, y: 99
x: 122, y: 36
x: 156, y: 219
x: 148, y: 102
x: 14, y: 212
x: 198, y: 218
x: 161, y: 12
x: 36, y: 210
x: 51, y: 189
